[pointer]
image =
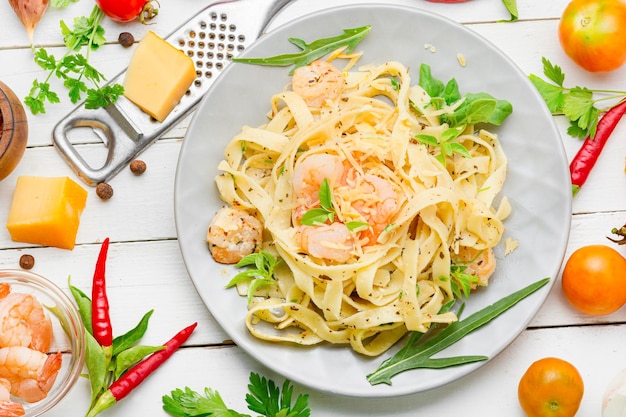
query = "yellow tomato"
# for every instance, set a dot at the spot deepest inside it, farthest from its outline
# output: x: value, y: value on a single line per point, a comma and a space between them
x: 551, y: 387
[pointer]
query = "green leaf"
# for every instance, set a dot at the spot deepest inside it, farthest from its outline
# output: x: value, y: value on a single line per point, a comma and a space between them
x: 83, y: 302
x: 553, y: 72
x: 265, y: 398
x: 59, y: 4
x: 479, y: 108
x: 416, y: 355
x: 511, y: 7
x: 315, y: 217
x: 259, y: 277
x: 104, y: 96
x: 552, y: 94
x: 96, y: 363
x: 357, y: 226
x: 189, y: 403
x: 128, y: 339
x: 311, y: 51
x: 132, y: 355
x: 325, y: 195
x: 44, y: 60
x: 427, y: 140
x: 432, y: 86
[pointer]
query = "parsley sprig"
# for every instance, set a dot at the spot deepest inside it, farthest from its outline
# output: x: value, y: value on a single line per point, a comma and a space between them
x: 578, y: 104
x: 261, y: 276
x: 78, y: 76
x: 264, y: 397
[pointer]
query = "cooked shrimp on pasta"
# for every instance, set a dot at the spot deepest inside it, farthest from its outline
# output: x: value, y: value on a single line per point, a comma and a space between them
x: 380, y: 210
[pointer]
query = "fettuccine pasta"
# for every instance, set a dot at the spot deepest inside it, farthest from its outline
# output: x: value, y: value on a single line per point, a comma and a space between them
x: 369, y: 219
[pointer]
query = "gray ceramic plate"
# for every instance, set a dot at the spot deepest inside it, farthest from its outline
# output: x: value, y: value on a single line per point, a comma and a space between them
x: 538, y: 186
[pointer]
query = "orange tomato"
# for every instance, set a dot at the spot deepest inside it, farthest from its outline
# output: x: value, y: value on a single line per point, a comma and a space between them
x: 594, y: 280
x: 591, y: 33
x: 550, y: 387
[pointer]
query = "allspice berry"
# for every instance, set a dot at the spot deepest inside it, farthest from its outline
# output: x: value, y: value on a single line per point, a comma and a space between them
x: 138, y: 167
x: 126, y: 39
x: 27, y: 261
x: 104, y: 191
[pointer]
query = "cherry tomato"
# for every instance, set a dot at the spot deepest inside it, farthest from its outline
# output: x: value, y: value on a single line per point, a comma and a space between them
x: 591, y: 33
x: 550, y: 387
x: 122, y: 10
x: 594, y: 280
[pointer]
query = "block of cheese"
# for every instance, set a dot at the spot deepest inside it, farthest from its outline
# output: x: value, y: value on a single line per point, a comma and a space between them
x: 158, y: 76
x: 46, y: 211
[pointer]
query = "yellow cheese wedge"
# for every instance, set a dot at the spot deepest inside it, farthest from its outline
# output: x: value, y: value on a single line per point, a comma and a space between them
x: 158, y: 76
x: 46, y: 211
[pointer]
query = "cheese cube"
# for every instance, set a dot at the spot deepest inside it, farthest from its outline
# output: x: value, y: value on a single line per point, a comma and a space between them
x: 158, y: 76
x: 46, y: 211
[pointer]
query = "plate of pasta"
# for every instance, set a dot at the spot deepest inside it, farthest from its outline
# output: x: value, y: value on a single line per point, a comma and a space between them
x: 324, y: 213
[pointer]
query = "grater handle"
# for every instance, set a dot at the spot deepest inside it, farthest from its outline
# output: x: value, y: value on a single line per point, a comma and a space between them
x: 120, y: 142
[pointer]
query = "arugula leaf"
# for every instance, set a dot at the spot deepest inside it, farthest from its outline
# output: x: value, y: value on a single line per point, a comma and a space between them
x: 578, y: 104
x: 261, y: 276
x: 264, y: 397
x: 311, y: 51
x: 415, y: 355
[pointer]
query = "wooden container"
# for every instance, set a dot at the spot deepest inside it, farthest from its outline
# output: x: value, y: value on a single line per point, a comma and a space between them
x: 13, y: 131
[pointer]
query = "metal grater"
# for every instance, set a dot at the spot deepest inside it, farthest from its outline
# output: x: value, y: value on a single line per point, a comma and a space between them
x: 211, y: 38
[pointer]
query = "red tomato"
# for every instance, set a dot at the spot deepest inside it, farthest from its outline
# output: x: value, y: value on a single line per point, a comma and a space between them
x: 591, y: 33
x: 122, y: 10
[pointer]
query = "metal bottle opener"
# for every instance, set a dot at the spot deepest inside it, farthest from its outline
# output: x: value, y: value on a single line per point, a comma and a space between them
x: 212, y: 37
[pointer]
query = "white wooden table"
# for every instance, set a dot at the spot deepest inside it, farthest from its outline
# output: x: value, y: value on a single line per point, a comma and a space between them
x: 145, y: 269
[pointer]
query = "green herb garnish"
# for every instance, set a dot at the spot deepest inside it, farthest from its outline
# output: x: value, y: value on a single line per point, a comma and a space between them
x: 74, y: 68
x: 415, y: 355
x: 312, y: 51
x: 264, y: 397
x: 261, y: 276
x: 446, y: 144
x: 325, y: 212
x: 475, y: 108
x: 578, y: 104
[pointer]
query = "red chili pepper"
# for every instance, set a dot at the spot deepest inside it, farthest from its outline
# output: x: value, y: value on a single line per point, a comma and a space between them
x: 138, y: 373
x: 100, y: 318
x: 588, y: 154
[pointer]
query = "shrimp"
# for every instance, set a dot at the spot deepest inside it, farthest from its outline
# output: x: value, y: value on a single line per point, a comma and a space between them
x: 30, y: 372
x: 23, y: 322
x: 9, y: 408
x: 5, y: 289
x: 333, y: 242
x: 480, y: 263
x: 317, y: 82
x: 309, y: 174
x: 380, y: 205
x: 233, y: 234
